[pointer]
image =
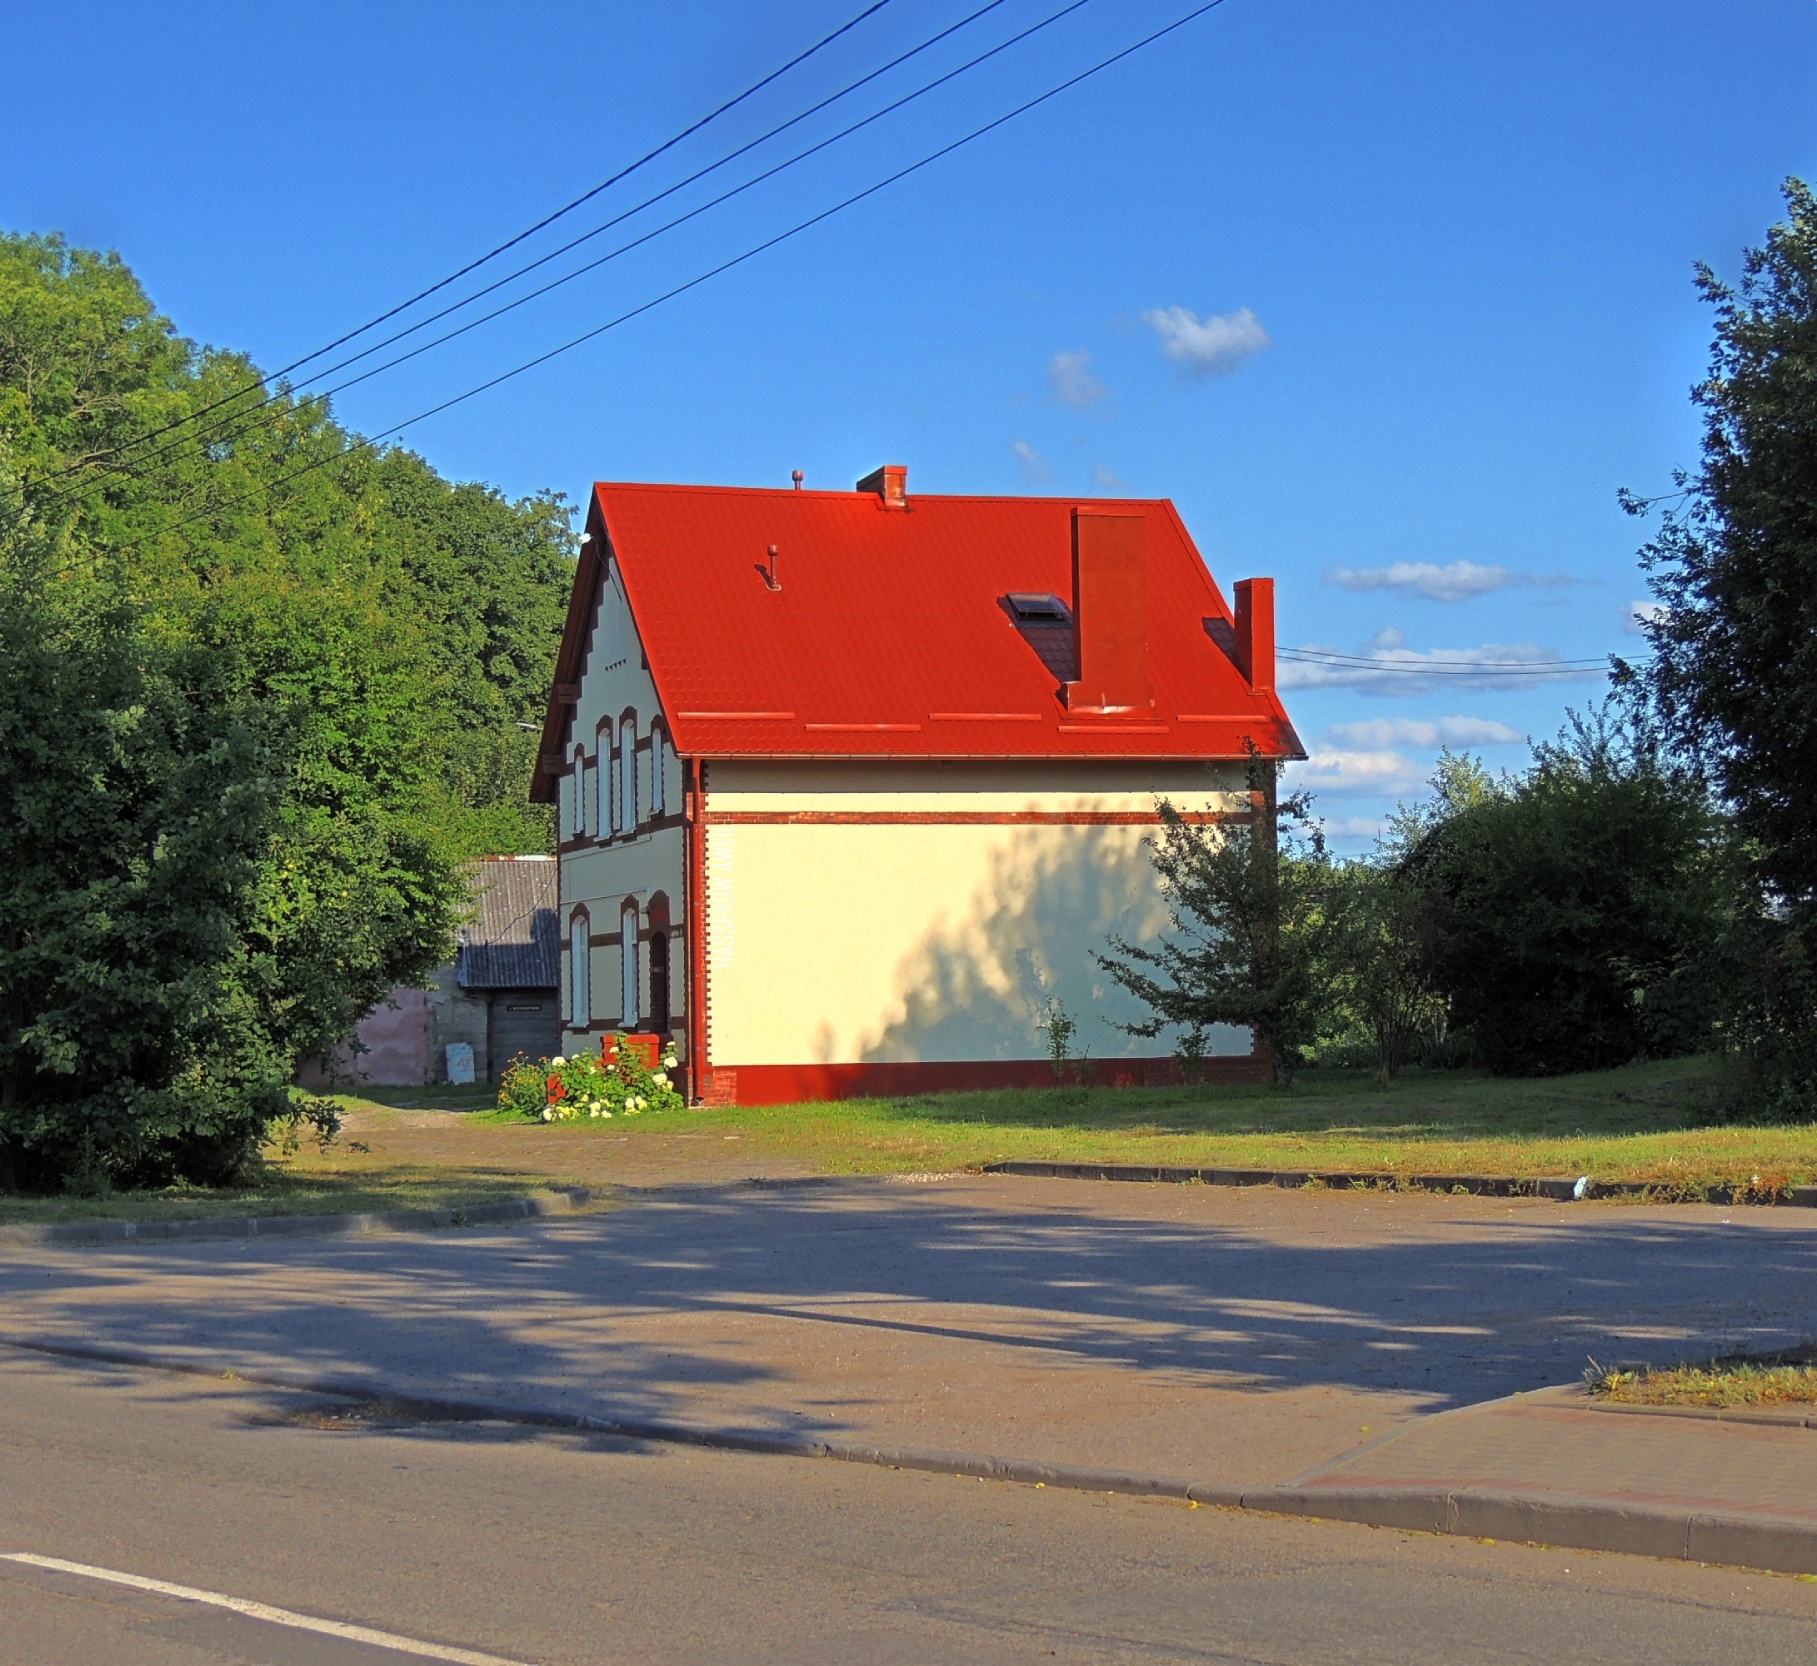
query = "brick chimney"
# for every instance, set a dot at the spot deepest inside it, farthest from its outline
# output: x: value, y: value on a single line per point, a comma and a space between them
x: 1255, y: 632
x: 1110, y: 612
x: 889, y: 482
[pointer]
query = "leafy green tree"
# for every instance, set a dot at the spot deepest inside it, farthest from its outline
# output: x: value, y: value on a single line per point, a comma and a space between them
x: 1380, y: 959
x: 369, y: 636
x: 1734, y: 567
x: 135, y: 814
x: 1249, y: 909
x: 1570, y: 916
x: 1733, y: 671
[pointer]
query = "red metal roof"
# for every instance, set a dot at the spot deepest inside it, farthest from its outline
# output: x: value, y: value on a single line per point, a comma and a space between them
x: 887, y: 634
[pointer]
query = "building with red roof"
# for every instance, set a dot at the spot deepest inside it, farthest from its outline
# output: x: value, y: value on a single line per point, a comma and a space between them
x: 854, y: 786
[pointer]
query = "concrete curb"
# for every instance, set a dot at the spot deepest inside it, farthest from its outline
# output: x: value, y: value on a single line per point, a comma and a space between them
x: 1572, y: 1190
x: 295, y: 1226
x: 1777, y: 1544
x: 1774, y: 1543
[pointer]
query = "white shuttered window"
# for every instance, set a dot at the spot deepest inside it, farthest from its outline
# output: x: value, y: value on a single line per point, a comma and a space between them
x: 628, y: 965
x: 580, y: 1006
x: 627, y: 770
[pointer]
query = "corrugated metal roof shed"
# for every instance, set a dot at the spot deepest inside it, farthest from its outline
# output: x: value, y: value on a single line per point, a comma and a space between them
x: 514, y: 943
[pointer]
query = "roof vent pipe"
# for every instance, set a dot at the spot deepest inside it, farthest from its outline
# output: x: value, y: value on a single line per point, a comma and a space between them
x: 889, y: 482
x: 1255, y: 632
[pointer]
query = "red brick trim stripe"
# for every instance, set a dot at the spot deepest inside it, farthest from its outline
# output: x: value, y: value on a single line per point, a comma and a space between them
x: 790, y: 1084
x: 962, y: 818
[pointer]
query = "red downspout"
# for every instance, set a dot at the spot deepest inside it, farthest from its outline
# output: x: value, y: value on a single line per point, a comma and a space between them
x: 697, y: 929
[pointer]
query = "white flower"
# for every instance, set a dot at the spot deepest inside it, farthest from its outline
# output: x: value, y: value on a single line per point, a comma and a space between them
x: 605, y: 1113
x: 660, y: 1079
x: 548, y: 1115
x: 593, y: 1110
x: 558, y: 1061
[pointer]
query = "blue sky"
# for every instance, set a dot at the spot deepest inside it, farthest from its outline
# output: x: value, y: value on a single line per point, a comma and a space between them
x: 1389, y: 299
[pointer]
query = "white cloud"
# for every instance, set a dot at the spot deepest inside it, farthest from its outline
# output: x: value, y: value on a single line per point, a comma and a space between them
x: 1384, y: 666
x: 1427, y: 733
x: 1210, y: 346
x: 1450, y: 583
x: 1337, y: 771
x: 1636, y: 614
x: 1456, y: 581
x: 1106, y: 477
x: 1352, y: 827
x: 1035, y: 469
x: 1072, y: 383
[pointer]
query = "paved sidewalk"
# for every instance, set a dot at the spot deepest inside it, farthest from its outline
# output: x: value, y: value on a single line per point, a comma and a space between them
x: 1555, y: 1468
x: 1238, y: 1338
x: 1554, y: 1445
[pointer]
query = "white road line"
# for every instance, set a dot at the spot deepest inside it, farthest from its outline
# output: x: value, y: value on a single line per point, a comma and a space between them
x: 264, y: 1611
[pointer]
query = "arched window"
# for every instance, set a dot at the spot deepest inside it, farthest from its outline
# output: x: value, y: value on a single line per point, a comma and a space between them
x: 627, y: 774
x: 659, y: 771
x: 600, y: 804
x: 627, y: 964
x: 580, y: 792
x: 580, y: 1003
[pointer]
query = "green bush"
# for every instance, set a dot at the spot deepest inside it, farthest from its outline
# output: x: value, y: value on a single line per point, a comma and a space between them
x: 1572, y: 917
x: 612, y: 1082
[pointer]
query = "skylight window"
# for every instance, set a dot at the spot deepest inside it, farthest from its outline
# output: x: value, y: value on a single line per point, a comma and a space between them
x: 1032, y: 609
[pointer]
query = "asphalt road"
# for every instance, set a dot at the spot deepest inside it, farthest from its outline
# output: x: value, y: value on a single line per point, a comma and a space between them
x: 486, y: 1540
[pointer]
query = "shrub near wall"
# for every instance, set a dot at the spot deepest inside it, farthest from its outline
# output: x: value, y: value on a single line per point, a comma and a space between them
x: 613, y: 1082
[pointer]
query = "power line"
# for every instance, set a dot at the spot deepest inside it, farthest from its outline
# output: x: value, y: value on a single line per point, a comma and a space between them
x: 1446, y: 667
x: 509, y: 243
x: 86, y: 488
x: 393, y: 430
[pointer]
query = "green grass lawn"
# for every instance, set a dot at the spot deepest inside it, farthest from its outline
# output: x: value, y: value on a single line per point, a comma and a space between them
x: 322, y: 1188
x: 1666, y: 1123
x: 1766, y: 1380
x: 1675, y: 1125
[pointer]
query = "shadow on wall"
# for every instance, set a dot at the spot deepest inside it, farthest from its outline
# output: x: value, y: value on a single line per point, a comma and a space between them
x: 1054, y: 899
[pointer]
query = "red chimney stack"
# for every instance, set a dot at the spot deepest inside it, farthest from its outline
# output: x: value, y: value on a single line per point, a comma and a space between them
x: 1110, y: 612
x: 889, y: 482
x: 1255, y: 632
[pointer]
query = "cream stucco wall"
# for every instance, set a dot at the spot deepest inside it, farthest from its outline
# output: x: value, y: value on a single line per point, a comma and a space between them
x: 834, y: 941
x: 601, y: 875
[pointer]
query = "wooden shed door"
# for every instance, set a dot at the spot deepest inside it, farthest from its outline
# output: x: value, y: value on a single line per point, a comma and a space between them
x: 524, y: 1021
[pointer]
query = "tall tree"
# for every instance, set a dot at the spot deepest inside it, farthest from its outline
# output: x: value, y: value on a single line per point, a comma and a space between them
x: 134, y: 811
x: 1734, y: 566
x: 371, y: 636
x: 1249, y: 902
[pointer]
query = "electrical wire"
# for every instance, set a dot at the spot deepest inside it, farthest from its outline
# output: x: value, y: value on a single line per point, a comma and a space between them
x: 390, y: 432
x: 1497, y: 669
x: 241, y: 416
x: 509, y: 243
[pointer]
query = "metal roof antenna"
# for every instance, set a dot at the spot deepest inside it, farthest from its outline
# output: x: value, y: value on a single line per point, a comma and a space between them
x: 798, y: 477
x: 770, y: 578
